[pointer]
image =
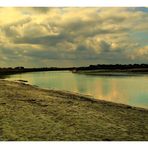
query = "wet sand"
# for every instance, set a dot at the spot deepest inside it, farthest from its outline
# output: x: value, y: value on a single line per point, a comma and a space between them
x: 28, y: 113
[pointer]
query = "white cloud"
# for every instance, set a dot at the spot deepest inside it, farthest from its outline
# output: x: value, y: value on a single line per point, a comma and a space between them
x: 72, y: 33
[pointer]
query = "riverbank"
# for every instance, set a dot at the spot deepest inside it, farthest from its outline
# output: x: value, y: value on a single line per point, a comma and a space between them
x: 31, y: 113
x: 18, y: 70
x: 116, y: 72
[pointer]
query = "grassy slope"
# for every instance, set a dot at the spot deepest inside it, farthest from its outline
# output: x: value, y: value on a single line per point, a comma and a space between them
x: 28, y: 113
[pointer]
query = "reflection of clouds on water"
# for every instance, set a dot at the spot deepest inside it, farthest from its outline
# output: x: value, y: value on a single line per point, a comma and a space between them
x: 127, y: 90
x: 108, y: 90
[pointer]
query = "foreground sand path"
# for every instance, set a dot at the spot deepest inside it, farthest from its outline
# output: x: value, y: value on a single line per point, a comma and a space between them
x: 30, y: 113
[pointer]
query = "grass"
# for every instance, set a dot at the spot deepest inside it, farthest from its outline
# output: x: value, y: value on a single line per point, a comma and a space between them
x: 32, y: 114
x: 116, y: 72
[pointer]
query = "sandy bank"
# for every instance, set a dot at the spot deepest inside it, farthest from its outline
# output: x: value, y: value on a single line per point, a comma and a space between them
x: 30, y: 113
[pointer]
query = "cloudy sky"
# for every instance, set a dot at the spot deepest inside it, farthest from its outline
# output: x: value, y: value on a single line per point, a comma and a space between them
x: 39, y: 37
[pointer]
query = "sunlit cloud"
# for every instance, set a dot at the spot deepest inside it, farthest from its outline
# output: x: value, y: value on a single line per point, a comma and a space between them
x: 73, y: 36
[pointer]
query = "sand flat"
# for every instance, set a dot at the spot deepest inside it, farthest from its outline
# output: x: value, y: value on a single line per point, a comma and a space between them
x: 28, y: 113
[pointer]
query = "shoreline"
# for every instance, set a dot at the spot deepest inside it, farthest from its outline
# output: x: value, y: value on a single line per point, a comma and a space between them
x: 76, y: 94
x: 56, y: 104
x: 119, y: 73
x: 85, y: 97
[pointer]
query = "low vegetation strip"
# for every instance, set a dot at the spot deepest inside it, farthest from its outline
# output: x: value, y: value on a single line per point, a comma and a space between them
x: 138, y: 68
x: 112, y: 72
x: 29, y: 113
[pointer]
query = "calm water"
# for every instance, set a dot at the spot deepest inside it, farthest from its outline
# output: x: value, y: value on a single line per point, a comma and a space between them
x: 132, y: 90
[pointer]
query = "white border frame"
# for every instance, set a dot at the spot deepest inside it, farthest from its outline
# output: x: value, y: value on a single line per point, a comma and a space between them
x: 76, y: 3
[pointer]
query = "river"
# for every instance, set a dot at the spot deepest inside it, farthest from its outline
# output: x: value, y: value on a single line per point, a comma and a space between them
x: 131, y: 90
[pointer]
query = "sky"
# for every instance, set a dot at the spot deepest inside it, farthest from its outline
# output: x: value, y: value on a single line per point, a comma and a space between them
x: 63, y: 37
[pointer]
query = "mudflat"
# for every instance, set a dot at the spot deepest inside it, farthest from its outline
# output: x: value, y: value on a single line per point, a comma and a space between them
x: 28, y: 113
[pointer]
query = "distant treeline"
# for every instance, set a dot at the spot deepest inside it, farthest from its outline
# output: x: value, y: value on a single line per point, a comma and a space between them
x: 5, y: 71
x: 138, y: 67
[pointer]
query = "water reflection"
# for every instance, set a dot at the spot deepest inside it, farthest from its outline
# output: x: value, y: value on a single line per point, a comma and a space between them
x: 128, y: 90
